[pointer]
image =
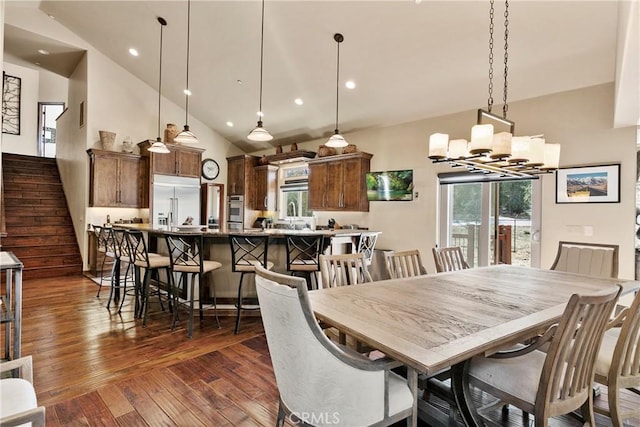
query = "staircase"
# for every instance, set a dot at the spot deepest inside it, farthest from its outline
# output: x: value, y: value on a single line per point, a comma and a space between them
x: 39, y: 230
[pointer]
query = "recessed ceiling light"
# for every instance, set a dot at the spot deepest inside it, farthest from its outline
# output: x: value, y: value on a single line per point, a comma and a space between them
x: 230, y: 124
x: 43, y: 52
x: 37, y: 63
x: 51, y: 16
x: 239, y: 81
x: 187, y: 92
x: 133, y: 52
x: 350, y: 84
x: 298, y: 101
x: 418, y: 1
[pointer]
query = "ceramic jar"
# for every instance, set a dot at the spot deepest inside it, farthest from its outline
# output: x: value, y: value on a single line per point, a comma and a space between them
x: 107, y: 139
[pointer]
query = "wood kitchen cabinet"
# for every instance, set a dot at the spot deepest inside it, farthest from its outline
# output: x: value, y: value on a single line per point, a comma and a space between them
x: 266, y: 188
x: 117, y: 179
x: 240, y: 175
x: 180, y: 161
x: 337, y: 183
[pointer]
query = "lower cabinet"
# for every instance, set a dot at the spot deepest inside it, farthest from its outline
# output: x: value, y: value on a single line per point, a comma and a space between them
x: 338, y: 183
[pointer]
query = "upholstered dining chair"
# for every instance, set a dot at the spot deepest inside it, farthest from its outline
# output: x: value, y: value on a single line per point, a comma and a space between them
x: 449, y: 259
x: 187, y: 259
x: 343, y: 270
x: 591, y: 259
x: 247, y: 251
x: 303, y: 255
x: 555, y: 382
x: 319, y: 382
x: 151, y: 263
x: 402, y: 264
x: 18, y: 402
x: 618, y: 363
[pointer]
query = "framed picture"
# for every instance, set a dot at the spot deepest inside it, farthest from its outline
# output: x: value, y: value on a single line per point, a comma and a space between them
x: 390, y: 185
x: 588, y: 184
x: 11, y: 104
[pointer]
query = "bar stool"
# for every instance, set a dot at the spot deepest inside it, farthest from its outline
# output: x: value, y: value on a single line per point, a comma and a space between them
x: 122, y: 254
x: 366, y: 245
x: 303, y: 255
x: 247, y: 251
x: 151, y: 263
x: 186, y: 256
x: 105, y: 246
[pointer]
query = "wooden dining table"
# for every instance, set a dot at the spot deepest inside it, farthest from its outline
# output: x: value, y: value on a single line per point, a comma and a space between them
x: 439, y: 321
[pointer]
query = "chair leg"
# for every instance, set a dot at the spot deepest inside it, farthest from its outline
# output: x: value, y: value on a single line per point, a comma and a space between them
x: 215, y: 306
x: 191, y: 304
x: 145, y: 305
x: 104, y: 259
x: 614, y: 406
x: 237, y: 328
x: 114, y: 281
x: 124, y: 290
x: 281, y: 415
x: 175, y: 300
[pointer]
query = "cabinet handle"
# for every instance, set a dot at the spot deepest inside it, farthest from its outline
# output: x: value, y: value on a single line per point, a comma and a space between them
x: 265, y: 202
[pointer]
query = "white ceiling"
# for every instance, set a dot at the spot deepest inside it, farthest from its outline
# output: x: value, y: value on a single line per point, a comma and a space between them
x: 409, y: 61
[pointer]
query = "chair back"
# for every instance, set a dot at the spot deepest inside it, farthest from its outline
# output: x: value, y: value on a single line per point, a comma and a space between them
x: 625, y: 363
x: 591, y: 259
x: 366, y: 244
x: 120, y: 245
x: 404, y: 264
x: 137, y: 248
x: 569, y: 367
x: 449, y: 259
x: 343, y: 270
x: 105, y: 240
x: 313, y: 375
x: 248, y: 250
x: 304, y: 251
x: 185, y: 251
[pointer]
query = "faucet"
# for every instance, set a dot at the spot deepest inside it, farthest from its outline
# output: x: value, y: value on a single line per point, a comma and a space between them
x: 294, y: 210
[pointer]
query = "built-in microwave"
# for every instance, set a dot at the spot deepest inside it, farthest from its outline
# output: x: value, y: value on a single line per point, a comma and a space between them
x: 236, y: 209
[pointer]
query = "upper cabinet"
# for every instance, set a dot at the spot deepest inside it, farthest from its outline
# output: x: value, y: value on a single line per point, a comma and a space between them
x: 117, y: 179
x: 182, y: 160
x: 338, y: 183
x: 266, y: 188
x: 239, y: 175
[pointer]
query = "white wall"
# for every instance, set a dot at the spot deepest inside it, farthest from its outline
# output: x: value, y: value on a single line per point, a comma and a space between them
x: 581, y: 120
x: 27, y: 142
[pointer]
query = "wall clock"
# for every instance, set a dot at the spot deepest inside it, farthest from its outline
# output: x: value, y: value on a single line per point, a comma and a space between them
x: 210, y: 169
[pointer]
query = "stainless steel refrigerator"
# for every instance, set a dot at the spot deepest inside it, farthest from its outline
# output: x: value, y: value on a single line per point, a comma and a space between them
x: 175, y: 198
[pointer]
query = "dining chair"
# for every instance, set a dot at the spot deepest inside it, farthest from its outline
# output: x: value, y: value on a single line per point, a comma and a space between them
x: 18, y: 401
x: 343, y: 270
x: 152, y: 264
x: 618, y: 362
x: 592, y: 259
x: 366, y: 244
x: 303, y: 255
x: 186, y: 255
x: 449, y: 259
x: 105, y: 245
x: 319, y: 382
x: 247, y: 251
x: 558, y: 381
x: 403, y: 264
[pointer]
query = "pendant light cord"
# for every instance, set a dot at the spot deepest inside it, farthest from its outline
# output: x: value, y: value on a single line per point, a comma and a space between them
x: 186, y: 102
x: 505, y: 106
x: 490, y: 99
x: 337, y: 83
x: 261, y: 60
x: 162, y: 24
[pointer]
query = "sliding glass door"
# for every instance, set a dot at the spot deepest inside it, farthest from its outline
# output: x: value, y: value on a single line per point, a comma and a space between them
x: 493, y: 222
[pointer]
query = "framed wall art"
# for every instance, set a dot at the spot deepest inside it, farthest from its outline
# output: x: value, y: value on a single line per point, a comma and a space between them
x: 588, y: 184
x: 10, y: 104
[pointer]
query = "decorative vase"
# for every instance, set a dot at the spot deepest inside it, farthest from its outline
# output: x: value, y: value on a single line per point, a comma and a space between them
x: 170, y: 133
x: 264, y: 160
x: 324, y: 151
x: 107, y: 139
x: 279, y: 149
x: 351, y: 148
x: 127, y: 145
x: 294, y: 147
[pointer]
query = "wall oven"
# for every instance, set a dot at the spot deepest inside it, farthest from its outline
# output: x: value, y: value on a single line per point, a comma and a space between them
x: 235, y: 210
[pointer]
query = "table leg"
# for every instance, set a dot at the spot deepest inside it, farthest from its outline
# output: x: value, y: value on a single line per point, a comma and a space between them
x: 412, y: 380
x: 18, y: 313
x: 462, y: 395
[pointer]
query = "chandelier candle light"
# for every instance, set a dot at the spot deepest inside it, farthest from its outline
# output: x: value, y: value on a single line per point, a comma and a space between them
x: 186, y: 136
x: 496, y: 153
x: 259, y: 133
x: 158, y: 146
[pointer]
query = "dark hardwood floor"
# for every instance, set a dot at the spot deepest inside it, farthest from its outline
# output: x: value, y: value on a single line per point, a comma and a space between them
x: 94, y: 367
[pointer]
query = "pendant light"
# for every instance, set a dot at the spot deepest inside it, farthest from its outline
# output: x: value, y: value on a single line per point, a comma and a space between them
x: 158, y: 146
x: 186, y: 136
x: 260, y: 133
x: 336, y: 139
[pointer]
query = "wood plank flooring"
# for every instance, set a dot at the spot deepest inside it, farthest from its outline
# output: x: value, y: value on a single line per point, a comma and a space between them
x: 95, y: 367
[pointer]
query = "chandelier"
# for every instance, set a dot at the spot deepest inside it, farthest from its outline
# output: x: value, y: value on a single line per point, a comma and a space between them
x: 490, y: 152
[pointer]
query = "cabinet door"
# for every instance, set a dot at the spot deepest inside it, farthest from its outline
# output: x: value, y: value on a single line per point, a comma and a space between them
x: 353, y: 183
x: 129, y: 183
x: 164, y: 164
x: 189, y: 163
x: 334, y: 184
x: 317, y: 187
x: 266, y: 188
x: 104, y: 188
x: 235, y: 176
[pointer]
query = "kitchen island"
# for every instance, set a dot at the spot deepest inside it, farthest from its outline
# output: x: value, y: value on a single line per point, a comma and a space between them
x: 218, y: 249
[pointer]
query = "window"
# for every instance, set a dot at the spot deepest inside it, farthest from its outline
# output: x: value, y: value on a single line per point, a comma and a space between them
x: 294, y: 192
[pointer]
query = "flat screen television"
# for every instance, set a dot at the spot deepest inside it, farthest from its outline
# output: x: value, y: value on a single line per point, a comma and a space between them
x: 390, y: 185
